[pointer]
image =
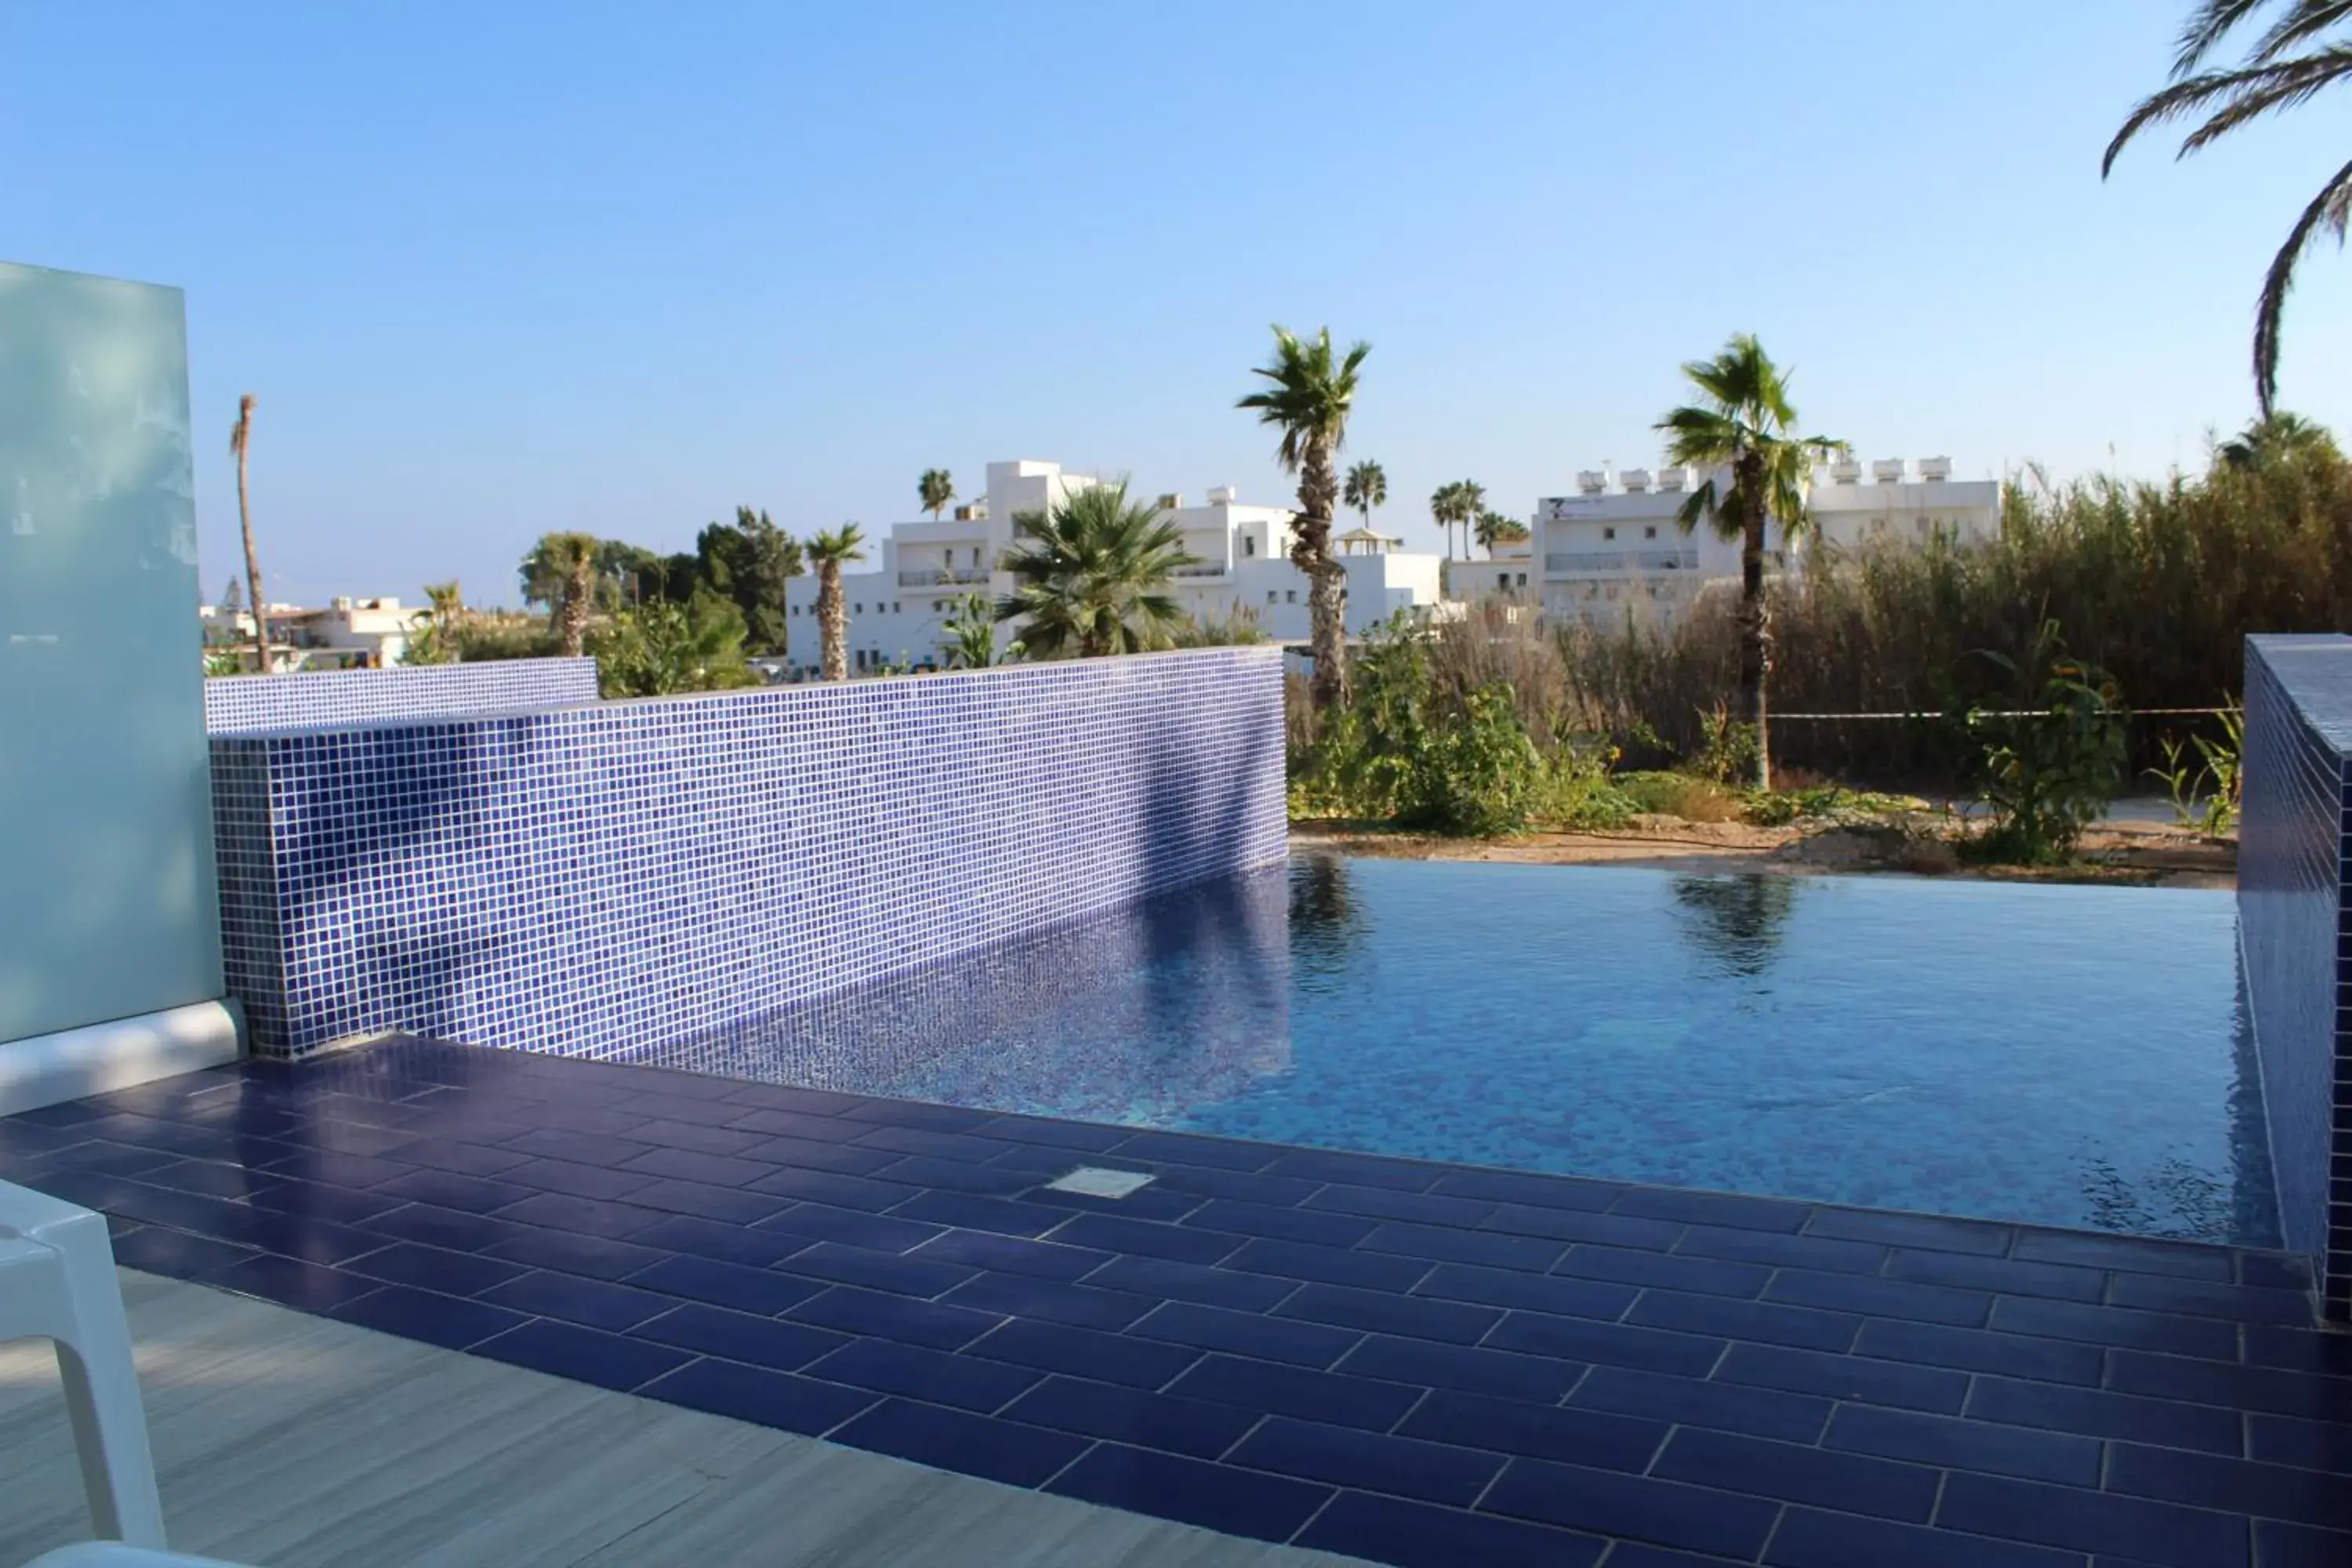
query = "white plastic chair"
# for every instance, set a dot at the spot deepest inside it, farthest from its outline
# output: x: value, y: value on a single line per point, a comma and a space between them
x: 114, y: 1554
x: 56, y: 1282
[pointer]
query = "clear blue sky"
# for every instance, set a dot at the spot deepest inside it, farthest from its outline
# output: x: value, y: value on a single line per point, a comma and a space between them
x: 498, y: 268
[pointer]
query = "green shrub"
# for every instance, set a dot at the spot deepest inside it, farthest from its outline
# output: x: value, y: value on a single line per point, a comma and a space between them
x: 1691, y: 798
x: 2052, y: 761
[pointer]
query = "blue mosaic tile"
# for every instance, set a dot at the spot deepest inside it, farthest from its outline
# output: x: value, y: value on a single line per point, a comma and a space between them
x: 315, y: 698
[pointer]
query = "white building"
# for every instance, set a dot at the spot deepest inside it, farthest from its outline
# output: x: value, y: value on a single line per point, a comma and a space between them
x: 919, y: 572
x: 349, y: 634
x: 1614, y: 552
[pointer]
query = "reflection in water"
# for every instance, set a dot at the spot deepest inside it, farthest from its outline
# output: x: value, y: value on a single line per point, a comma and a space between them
x: 1737, y: 921
x: 2254, y: 1217
x: 1134, y: 1016
x: 1325, y: 926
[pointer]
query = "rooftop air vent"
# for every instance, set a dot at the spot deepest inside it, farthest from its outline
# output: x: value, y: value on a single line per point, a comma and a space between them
x: 1591, y: 482
x: 1673, y: 479
x: 1636, y: 481
x: 1934, y: 467
x: 1170, y: 501
x: 1220, y: 495
x: 1887, y: 470
x: 1845, y: 470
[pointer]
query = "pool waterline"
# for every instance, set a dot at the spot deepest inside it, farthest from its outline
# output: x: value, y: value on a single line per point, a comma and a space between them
x: 2056, y: 1055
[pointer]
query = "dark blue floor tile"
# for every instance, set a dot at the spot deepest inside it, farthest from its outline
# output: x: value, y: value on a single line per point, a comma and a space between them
x: 311, y: 1202
x: 1641, y: 1554
x: 958, y: 1440
x: 1532, y: 1294
x: 1416, y: 1535
x: 1133, y: 1416
x: 435, y: 1268
x: 592, y: 1303
x: 1931, y: 1389
x: 1383, y: 1203
x: 444, y: 1227
x: 2272, y: 1389
x: 160, y: 1249
x: 1216, y: 1153
x: 916, y: 1323
x: 1530, y: 1189
x: 290, y: 1283
x: 2093, y: 1521
x: 449, y: 1190
x: 697, y: 1137
x: 579, y: 1181
x: 1608, y: 1344
x: 961, y: 1148
x: 704, y: 1201
x: 1415, y: 1317
x: 845, y: 1265
x: 1271, y: 1386
x: 445, y: 1321
x: 2274, y: 1439
x: 1025, y: 1296
x: 777, y: 1122
x: 1011, y: 1255
x: 2101, y: 1413
x: 1928, y: 1232
x: 1079, y: 1135
x: 2116, y: 1327
x: 915, y: 1114
x: 1826, y: 1254
x: 2275, y: 1270
x: 999, y: 1215
x: 740, y: 1336
x: 568, y: 1252
x: 1672, y: 1272
x: 726, y: 1284
x: 1368, y: 1461
x: 1329, y: 1265
x: 1142, y: 1238
x: 581, y: 1148
x: 955, y: 1176
x: 1974, y: 1349
x: 1442, y: 1244
x: 2140, y: 1255
x: 1718, y: 1407
x: 1731, y: 1210
x: 855, y: 1228
x: 1499, y: 1373
x: 1791, y: 1472
x: 2230, y: 1485
x: 1585, y: 1226
x: 1246, y: 1333
x: 1216, y: 1497
x: 2323, y: 1352
x: 791, y: 1097
x: 750, y: 1248
x: 814, y: 1157
x: 2006, y: 1276
x: 1808, y: 1539
x: 206, y: 1176
x: 463, y: 1159
x: 1046, y: 1161
x: 1590, y: 1437
x: 1604, y: 1503
x: 1192, y: 1282
x: 776, y: 1399
x: 1084, y: 1353
x: 1954, y: 1444
x: 837, y: 1189
x: 2198, y: 1297
x: 1284, y: 1224
x: 962, y: 1381
x: 2278, y: 1544
x: 1247, y: 1186
x: 1880, y: 1298
x: 585, y: 1355
x: 1762, y: 1321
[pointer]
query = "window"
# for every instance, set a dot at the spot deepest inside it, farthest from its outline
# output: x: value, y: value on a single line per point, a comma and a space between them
x: 1523, y: 579
x: 1269, y: 596
x: 1249, y: 544
x: 861, y: 659
x: 796, y: 609
x: 1650, y: 531
x: 894, y: 606
x: 1502, y: 579
x: 860, y: 610
x: 975, y: 554
x: 1290, y: 596
x: 1609, y: 532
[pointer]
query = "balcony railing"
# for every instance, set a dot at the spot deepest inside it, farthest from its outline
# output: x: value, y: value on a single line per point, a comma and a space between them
x: 931, y: 576
x: 1621, y: 560
x: 1204, y: 569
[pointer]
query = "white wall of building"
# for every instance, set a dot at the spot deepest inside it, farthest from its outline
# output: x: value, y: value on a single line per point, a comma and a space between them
x: 900, y: 600
x: 348, y: 632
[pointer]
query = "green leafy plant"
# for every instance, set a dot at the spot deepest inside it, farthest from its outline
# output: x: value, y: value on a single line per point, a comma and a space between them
x: 2204, y: 779
x: 968, y: 635
x: 1727, y: 751
x: 659, y: 648
x: 2052, y: 763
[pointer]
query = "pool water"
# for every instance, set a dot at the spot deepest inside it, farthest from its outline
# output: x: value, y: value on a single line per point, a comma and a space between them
x: 2061, y: 1055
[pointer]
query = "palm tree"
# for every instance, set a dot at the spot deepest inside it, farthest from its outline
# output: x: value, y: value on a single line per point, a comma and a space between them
x: 437, y: 641
x: 829, y: 551
x: 2274, y: 75
x: 1445, y: 511
x: 1090, y: 577
x: 1367, y: 487
x: 1311, y: 395
x: 936, y: 489
x: 1472, y: 501
x: 2272, y: 439
x: 1493, y: 528
x: 970, y: 634
x: 241, y: 438
x: 1742, y: 423
x: 560, y: 572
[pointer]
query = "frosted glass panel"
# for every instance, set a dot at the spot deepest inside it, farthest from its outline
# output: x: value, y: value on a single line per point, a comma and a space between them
x: 108, y: 906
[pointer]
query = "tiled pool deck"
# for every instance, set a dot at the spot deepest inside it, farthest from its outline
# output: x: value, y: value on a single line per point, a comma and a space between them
x: 1410, y: 1363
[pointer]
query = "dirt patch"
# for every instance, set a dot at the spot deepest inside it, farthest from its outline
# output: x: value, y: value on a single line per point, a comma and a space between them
x: 2131, y: 854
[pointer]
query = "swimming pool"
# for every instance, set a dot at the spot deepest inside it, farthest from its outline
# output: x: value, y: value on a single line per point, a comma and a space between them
x: 2061, y: 1055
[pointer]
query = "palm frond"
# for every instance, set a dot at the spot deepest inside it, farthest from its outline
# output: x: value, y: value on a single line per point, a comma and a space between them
x: 2207, y: 27
x: 2329, y: 210
x: 2305, y: 20
x: 2250, y: 91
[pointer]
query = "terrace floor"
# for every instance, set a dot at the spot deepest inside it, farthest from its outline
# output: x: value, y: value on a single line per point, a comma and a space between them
x: 1410, y: 1363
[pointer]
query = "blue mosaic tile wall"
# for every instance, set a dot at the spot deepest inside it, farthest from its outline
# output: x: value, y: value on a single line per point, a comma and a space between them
x: 239, y: 703
x: 607, y: 880
x: 2295, y: 853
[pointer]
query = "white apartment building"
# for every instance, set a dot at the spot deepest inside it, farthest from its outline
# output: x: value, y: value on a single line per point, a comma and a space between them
x: 1612, y: 552
x: 919, y: 572
x: 349, y: 634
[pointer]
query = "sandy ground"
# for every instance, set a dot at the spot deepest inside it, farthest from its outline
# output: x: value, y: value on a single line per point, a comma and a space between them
x: 2135, y: 845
